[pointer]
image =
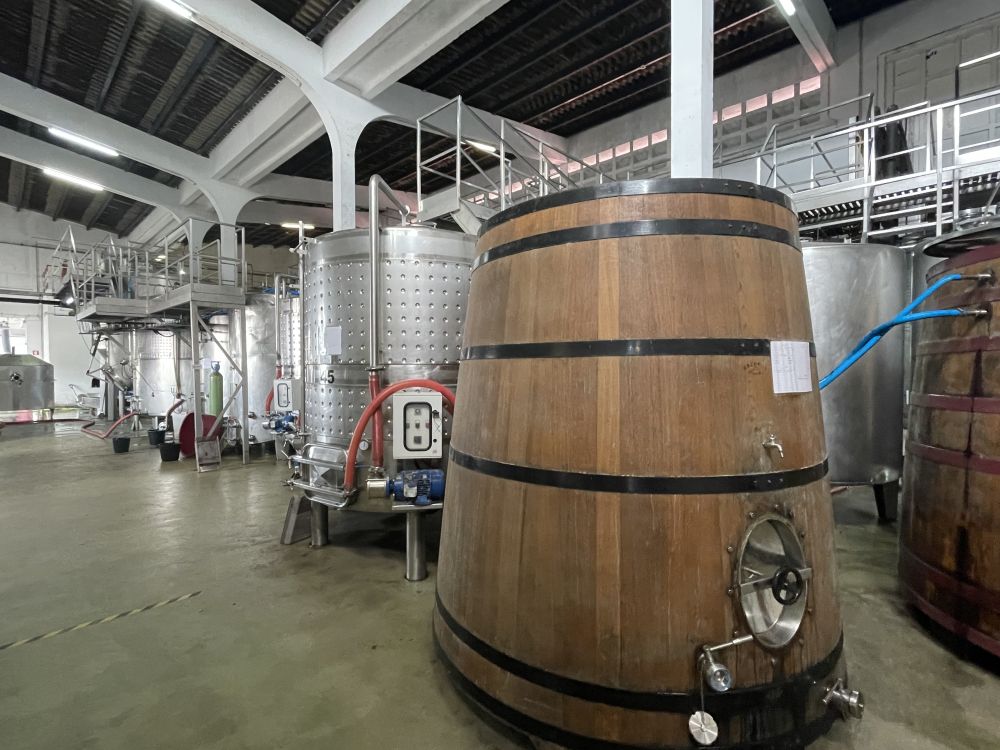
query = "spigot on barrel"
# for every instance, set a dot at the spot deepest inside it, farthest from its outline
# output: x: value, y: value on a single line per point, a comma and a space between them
x: 715, y: 674
x: 849, y: 703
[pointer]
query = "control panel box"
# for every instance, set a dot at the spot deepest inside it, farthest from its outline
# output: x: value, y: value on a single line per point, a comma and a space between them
x: 288, y: 395
x: 417, y: 424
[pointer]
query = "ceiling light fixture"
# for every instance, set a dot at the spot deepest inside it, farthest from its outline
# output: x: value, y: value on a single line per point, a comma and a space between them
x: 296, y: 225
x: 978, y: 60
x: 178, y: 9
x: 485, y: 147
x: 787, y: 7
x: 99, y: 148
x: 56, y: 174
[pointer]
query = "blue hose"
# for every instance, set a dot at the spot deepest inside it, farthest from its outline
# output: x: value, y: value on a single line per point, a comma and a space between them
x: 875, y: 335
x: 928, y: 292
x: 906, y: 315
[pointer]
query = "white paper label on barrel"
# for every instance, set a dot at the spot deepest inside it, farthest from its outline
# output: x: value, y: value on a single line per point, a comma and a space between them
x: 332, y: 339
x: 791, y: 367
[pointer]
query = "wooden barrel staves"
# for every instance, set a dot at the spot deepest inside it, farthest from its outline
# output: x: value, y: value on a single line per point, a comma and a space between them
x: 637, y: 472
x: 950, y: 533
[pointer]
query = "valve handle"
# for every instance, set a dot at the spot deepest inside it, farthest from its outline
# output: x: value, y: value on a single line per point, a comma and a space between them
x: 787, y: 585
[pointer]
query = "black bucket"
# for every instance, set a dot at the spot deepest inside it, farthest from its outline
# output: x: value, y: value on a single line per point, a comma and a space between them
x: 120, y: 444
x: 156, y: 437
x: 170, y: 451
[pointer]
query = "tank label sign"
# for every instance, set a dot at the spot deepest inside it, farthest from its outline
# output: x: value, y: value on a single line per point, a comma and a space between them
x: 791, y: 367
x: 333, y: 341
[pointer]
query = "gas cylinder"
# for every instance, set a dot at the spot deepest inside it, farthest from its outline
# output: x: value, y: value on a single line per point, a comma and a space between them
x: 215, y: 390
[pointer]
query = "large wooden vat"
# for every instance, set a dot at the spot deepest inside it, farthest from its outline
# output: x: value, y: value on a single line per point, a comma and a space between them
x: 950, y: 534
x: 616, y: 476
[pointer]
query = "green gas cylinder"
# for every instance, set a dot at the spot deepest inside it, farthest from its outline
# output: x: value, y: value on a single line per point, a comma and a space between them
x: 215, y: 391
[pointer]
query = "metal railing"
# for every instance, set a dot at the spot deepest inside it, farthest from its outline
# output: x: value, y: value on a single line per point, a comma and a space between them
x: 116, y: 268
x: 62, y: 265
x: 934, y: 142
x: 490, y: 167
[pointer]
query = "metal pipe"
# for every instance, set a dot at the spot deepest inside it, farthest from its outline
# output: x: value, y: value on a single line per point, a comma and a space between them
x: 416, y: 547
x: 279, y: 292
x: 377, y: 185
x: 244, y: 389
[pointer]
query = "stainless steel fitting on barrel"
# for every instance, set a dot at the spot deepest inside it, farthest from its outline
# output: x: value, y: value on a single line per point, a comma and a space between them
x: 850, y: 703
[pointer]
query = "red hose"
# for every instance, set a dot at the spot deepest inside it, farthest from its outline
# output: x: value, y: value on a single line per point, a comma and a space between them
x: 269, y: 401
x: 103, y: 436
x: 359, y: 428
x: 378, y: 450
x: 171, y: 410
x: 180, y: 400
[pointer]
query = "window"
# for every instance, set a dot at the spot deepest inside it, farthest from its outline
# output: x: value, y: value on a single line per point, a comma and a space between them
x: 758, y: 102
x: 810, y: 84
x: 733, y: 110
x: 783, y: 94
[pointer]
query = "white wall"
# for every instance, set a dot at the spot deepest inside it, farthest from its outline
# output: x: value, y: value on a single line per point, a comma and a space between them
x: 68, y: 353
x: 26, y: 243
x: 857, y: 49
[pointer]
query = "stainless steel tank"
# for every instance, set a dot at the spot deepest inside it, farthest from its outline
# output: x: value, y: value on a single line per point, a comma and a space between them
x: 262, y: 357
x: 423, y: 284
x: 26, y: 383
x: 162, y: 363
x: 853, y: 288
x: 5, y: 341
x: 261, y: 361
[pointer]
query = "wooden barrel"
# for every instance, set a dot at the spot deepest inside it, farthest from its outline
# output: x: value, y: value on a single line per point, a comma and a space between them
x: 950, y: 534
x: 625, y: 484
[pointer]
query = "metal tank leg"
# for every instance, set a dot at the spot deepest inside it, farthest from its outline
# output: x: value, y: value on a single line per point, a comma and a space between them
x: 416, y: 547
x: 298, y: 521
x: 320, y: 525
x: 887, y: 500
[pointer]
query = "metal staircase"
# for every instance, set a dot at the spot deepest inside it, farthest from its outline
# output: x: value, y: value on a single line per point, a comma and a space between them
x: 475, y: 169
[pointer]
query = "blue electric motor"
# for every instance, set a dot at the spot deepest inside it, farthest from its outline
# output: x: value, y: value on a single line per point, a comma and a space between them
x: 283, y: 424
x: 420, y: 486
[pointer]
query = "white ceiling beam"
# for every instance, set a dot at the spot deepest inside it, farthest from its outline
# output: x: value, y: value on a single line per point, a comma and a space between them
x: 153, y: 226
x: 249, y: 27
x: 380, y: 41
x: 273, y: 151
x: 48, y: 110
x: 269, y: 212
x: 307, y: 190
x: 345, y: 114
x: 273, y: 129
x: 813, y: 26
x: 27, y: 150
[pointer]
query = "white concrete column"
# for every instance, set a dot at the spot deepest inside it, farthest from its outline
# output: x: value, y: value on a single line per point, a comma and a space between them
x: 227, y: 204
x: 344, y: 134
x: 692, y: 58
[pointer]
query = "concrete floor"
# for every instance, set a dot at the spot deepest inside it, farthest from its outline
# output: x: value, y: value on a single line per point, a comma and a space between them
x: 289, y: 647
